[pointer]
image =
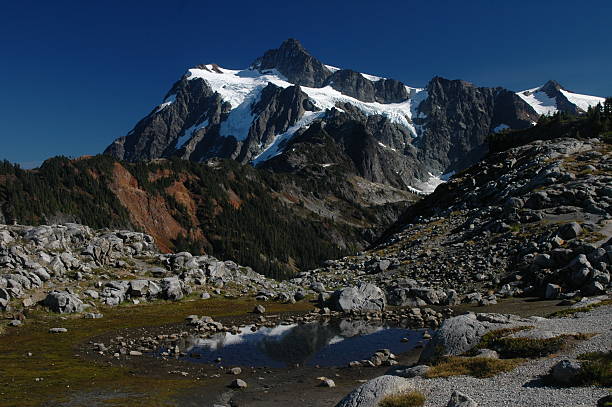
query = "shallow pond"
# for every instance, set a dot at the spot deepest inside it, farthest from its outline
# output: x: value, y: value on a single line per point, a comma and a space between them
x: 329, y: 343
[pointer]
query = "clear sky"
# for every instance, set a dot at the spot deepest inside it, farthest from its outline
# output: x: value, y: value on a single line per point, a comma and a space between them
x: 74, y: 75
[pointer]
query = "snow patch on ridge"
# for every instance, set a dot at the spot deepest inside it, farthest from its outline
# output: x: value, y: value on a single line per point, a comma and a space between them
x: 429, y: 186
x: 167, y: 102
x: 242, y: 88
x: 181, y: 141
x: 275, y: 147
x: 545, y: 105
x: 540, y: 101
x: 583, y: 101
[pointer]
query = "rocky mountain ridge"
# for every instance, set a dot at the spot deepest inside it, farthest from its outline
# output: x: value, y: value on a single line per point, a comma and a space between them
x: 256, y: 114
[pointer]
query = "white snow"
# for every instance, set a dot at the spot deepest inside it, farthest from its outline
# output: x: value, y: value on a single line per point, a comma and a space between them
x: 501, y: 127
x: 332, y: 68
x: 545, y: 105
x: 583, y: 101
x: 430, y: 185
x: 541, y: 103
x: 242, y: 88
x: 180, y: 142
x: 372, y: 78
x: 386, y: 146
x: 167, y: 102
x: 275, y: 147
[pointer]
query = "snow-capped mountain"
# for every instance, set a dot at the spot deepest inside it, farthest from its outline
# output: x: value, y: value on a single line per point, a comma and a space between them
x: 270, y: 113
x: 552, y: 97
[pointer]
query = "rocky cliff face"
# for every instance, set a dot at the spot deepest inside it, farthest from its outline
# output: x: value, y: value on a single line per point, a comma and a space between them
x: 405, y: 137
x: 460, y: 116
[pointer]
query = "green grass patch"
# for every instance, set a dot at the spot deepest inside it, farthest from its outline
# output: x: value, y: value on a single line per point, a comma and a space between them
x: 410, y: 399
x: 66, y: 375
x: 571, y: 311
x: 471, y: 366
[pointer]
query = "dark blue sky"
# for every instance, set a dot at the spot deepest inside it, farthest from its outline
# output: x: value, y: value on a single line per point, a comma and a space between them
x: 75, y: 75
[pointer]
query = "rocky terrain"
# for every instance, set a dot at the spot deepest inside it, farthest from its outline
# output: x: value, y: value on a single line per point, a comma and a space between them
x: 533, y: 220
x: 72, y: 268
x: 541, y: 381
x: 530, y: 221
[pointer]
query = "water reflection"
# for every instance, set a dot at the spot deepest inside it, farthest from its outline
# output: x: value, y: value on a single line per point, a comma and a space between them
x: 329, y: 343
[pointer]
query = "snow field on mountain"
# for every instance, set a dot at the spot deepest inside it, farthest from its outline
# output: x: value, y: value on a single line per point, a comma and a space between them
x: 242, y: 88
x: 545, y: 105
x: 540, y: 101
x: 583, y: 101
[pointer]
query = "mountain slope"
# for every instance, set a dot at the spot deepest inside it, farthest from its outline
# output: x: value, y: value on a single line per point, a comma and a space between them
x: 251, y: 115
x: 276, y: 223
x: 534, y: 219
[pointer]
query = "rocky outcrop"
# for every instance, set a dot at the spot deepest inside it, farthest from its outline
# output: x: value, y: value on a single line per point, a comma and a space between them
x: 295, y: 63
x: 371, y: 393
x: 354, y: 84
x: 63, y: 302
x: 460, y: 116
x: 364, y: 297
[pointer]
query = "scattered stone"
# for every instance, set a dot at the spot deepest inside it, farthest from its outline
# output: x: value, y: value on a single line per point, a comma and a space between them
x: 325, y: 382
x: 238, y: 384
x: 259, y: 309
x: 459, y: 399
x: 235, y: 371
x: 58, y: 330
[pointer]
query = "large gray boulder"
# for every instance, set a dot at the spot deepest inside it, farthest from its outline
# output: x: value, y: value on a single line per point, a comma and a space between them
x: 364, y: 297
x: 371, y: 393
x: 459, y: 334
x: 63, y: 302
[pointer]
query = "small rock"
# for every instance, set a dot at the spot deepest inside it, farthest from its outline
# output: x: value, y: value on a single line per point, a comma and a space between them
x: 15, y: 322
x: 487, y: 353
x: 459, y: 399
x: 325, y: 382
x: 235, y: 371
x: 57, y: 330
x: 552, y: 291
x: 135, y: 353
x: 259, y: 309
x: 238, y: 384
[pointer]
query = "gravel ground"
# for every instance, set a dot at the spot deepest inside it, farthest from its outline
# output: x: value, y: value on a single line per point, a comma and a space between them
x: 522, y: 386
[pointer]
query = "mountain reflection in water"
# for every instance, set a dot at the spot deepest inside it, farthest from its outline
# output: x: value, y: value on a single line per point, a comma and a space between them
x: 329, y: 343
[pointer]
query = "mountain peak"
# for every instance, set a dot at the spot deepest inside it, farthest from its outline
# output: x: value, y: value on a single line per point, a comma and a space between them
x: 293, y: 61
x: 551, y: 86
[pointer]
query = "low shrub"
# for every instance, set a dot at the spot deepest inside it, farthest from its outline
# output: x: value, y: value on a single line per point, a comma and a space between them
x: 596, y: 369
x: 410, y: 399
x: 471, y: 366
